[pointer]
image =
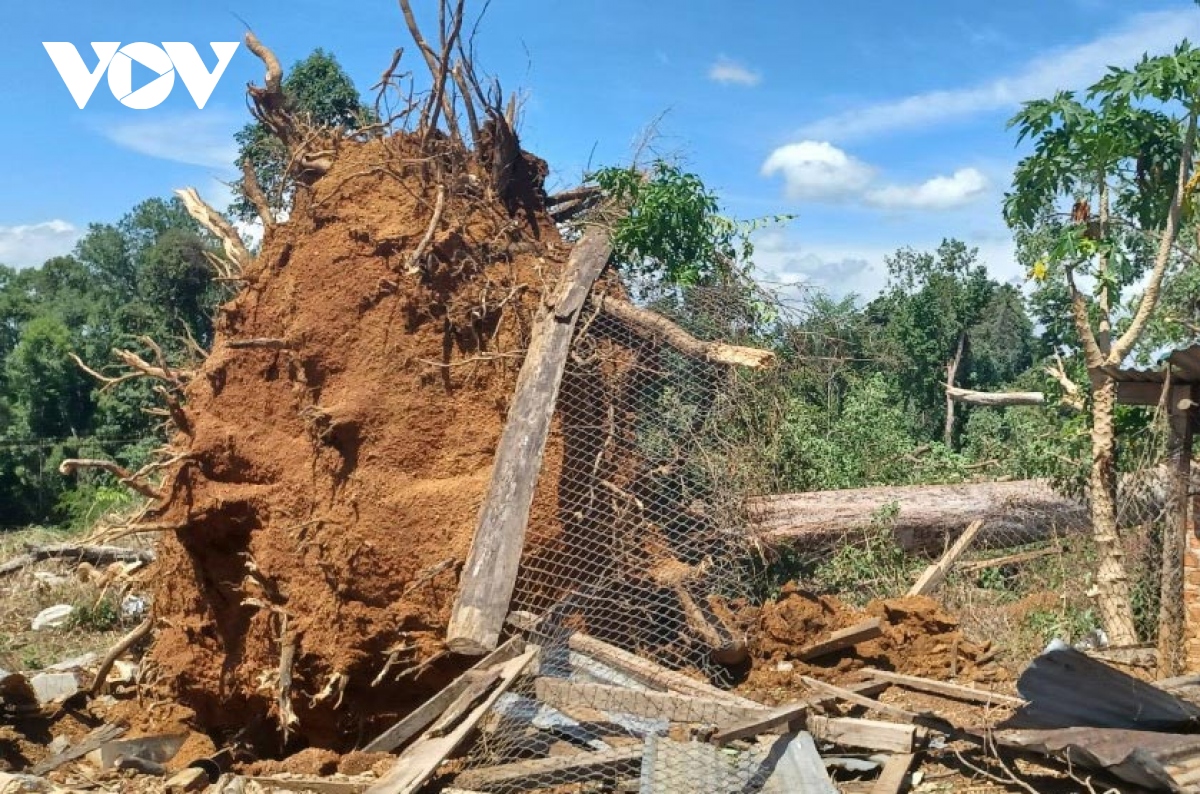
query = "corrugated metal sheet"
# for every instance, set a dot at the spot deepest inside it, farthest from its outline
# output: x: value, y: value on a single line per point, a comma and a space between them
x: 1185, y: 363
x: 1156, y: 761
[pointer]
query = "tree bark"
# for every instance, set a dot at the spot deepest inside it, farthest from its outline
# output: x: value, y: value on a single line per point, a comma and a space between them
x: 1113, y: 596
x: 951, y: 374
x: 1171, y: 620
x: 647, y: 323
x: 1016, y: 512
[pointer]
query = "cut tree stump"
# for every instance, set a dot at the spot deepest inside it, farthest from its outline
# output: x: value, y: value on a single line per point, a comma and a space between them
x: 935, y: 574
x: 490, y: 572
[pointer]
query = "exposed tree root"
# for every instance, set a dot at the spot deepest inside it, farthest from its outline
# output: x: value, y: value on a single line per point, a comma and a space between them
x: 95, y: 555
x: 124, y: 644
x: 71, y: 465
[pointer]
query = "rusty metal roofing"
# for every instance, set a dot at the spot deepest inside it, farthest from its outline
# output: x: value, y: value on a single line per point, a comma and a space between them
x: 1156, y: 761
x: 1185, y: 364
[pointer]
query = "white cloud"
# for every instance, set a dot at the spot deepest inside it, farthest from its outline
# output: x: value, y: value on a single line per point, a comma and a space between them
x: 32, y: 244
x: 939, y: 193
x: 1072, y: 68
x: 730, y: 72
x: 200, y: 138
x: 818, y: 171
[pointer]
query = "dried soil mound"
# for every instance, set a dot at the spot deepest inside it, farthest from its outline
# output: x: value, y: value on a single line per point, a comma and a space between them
x: 339, y: 441
x: 919, y: 638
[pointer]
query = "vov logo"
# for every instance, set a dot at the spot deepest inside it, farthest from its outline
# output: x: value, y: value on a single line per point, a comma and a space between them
x: 165, y: 61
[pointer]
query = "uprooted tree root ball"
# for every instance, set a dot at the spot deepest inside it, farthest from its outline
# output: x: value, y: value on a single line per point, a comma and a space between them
x: 338, y: 443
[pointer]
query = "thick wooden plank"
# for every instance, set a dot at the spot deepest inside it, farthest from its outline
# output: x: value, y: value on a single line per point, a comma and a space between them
x: 651, y: 674
x: 784, y: 715
x: 490, y: 572
x: 539, y: 772
x: 671, y: 706
x: 888, y: 737
x: 935, y: 574
x: 894, y: 775
x: 433, y: 708
x: 418, y: 763
x: 841, y: 640
x: 946, y: 689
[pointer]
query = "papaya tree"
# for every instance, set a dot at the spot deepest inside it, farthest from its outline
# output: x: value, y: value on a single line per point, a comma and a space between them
x: 1104, y: 193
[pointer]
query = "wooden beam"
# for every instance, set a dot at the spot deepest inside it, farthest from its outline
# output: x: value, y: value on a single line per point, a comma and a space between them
x: 417, y: 764
x: 563, y: 694
x: 935, y: 574
x: 850, y: 696
x: 651, y: 674
x: 894, y: 775
x: 1172, y: 593
x: 555, y: 770
x: 841, y: 640
x: 955, y: 691
x: 887, y: 737
x: 430, y: 710
x: 785, y: 715
x: 1009, y: 559
x: 490, y: 572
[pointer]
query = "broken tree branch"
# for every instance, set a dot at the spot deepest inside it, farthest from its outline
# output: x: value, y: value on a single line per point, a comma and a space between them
x: 995, y: 398
x: 648, y: 323
x: 254, y: 192
x: 206, y: 216
x: 71, y: 465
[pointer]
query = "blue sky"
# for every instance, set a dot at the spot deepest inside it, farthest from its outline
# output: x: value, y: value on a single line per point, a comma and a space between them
x: 878, y: 124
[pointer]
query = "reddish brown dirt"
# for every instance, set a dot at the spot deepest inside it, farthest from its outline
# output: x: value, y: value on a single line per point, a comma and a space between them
x: 919, y: 638
x: 330, y: 488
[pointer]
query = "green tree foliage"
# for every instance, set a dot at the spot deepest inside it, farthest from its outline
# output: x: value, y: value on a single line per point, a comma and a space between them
x: 146, y: 275
x: 323, y: 95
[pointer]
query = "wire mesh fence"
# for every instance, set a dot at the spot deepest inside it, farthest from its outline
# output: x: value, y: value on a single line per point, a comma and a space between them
x: 653, y: 456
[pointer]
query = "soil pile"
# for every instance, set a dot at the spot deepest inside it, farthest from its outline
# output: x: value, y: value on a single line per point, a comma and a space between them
x: 339, y: 440
x: 919, y: 638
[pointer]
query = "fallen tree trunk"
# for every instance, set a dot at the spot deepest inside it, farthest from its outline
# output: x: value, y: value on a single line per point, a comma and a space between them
x: 1015, y: 512
x: 995, y: 399
x: 96, y: 555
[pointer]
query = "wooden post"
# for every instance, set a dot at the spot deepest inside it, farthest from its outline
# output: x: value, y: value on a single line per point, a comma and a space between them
x: 935, y: 574
x: 1173, y: 595
x: 490, y: 572
x: 1172, y: 592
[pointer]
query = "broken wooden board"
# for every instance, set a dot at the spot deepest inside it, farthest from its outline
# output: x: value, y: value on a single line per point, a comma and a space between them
x: 841, y: 640
x: 93, y: 741
x: 894, y: 775
x: 771, y: 719
x: 654, y: 675
x: 787, y: 765
x: 935, y: 574
x: 945, y: 689
x: 489, y: 574
x: 888, y: 737
x: 670, y: 706
x: 418, y: 763
x: 541, y: 772
x: 850, y: 696
x: 433, y: 708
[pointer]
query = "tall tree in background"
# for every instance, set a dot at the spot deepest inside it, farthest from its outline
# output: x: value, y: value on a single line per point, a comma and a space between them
x: 321, y: 93
x: 945, y: 321
x: 1103, y: 195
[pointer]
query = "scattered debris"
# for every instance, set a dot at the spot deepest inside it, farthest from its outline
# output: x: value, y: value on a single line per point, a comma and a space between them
x: 52, y: 617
